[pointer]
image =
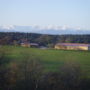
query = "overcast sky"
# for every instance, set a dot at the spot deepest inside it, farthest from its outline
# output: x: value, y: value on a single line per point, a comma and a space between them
x: 73, y: 13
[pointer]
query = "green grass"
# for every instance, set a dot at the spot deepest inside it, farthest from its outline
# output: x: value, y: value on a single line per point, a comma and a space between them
x: 52, y: 60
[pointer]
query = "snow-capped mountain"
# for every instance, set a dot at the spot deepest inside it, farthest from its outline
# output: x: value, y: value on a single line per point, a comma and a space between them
x: 44, y: 30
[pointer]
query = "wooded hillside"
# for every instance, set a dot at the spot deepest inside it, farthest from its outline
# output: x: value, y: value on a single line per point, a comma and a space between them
x: 15, y: 38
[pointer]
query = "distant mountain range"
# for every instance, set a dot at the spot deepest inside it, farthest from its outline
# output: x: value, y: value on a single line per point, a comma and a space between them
x: 36, y: 29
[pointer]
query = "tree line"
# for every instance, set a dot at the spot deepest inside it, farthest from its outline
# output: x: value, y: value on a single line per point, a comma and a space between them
x: 15, y: 38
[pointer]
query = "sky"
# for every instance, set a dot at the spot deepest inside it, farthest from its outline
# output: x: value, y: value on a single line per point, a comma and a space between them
x: 70, y: 13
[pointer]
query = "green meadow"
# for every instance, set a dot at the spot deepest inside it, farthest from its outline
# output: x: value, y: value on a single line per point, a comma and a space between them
x: 51, y: 59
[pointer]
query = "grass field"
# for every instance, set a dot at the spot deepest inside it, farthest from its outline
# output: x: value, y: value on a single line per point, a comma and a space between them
x: 52, y: 60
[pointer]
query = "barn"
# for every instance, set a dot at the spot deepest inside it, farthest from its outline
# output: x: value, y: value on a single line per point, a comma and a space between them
x: 72, y: 46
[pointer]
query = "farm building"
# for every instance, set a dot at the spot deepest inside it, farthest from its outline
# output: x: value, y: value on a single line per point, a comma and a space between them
x: 72, y: 46
x: 27, y: 44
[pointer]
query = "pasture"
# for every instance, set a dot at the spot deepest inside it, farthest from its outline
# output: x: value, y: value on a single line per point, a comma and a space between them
x: 51, y: 59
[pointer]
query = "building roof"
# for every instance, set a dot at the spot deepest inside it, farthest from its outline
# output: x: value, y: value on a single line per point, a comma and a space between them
x: 25, y: 43
x: 72, y: 44
x: 34, y: 44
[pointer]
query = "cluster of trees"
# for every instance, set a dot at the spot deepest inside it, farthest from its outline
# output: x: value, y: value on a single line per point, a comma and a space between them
x: 28, y: 74
x: 43, y: 40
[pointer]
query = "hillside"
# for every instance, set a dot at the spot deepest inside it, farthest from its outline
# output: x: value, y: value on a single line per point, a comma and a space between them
x: 15, y: 38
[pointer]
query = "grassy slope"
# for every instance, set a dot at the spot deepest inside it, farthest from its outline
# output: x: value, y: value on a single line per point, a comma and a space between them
x: 51, y: 59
